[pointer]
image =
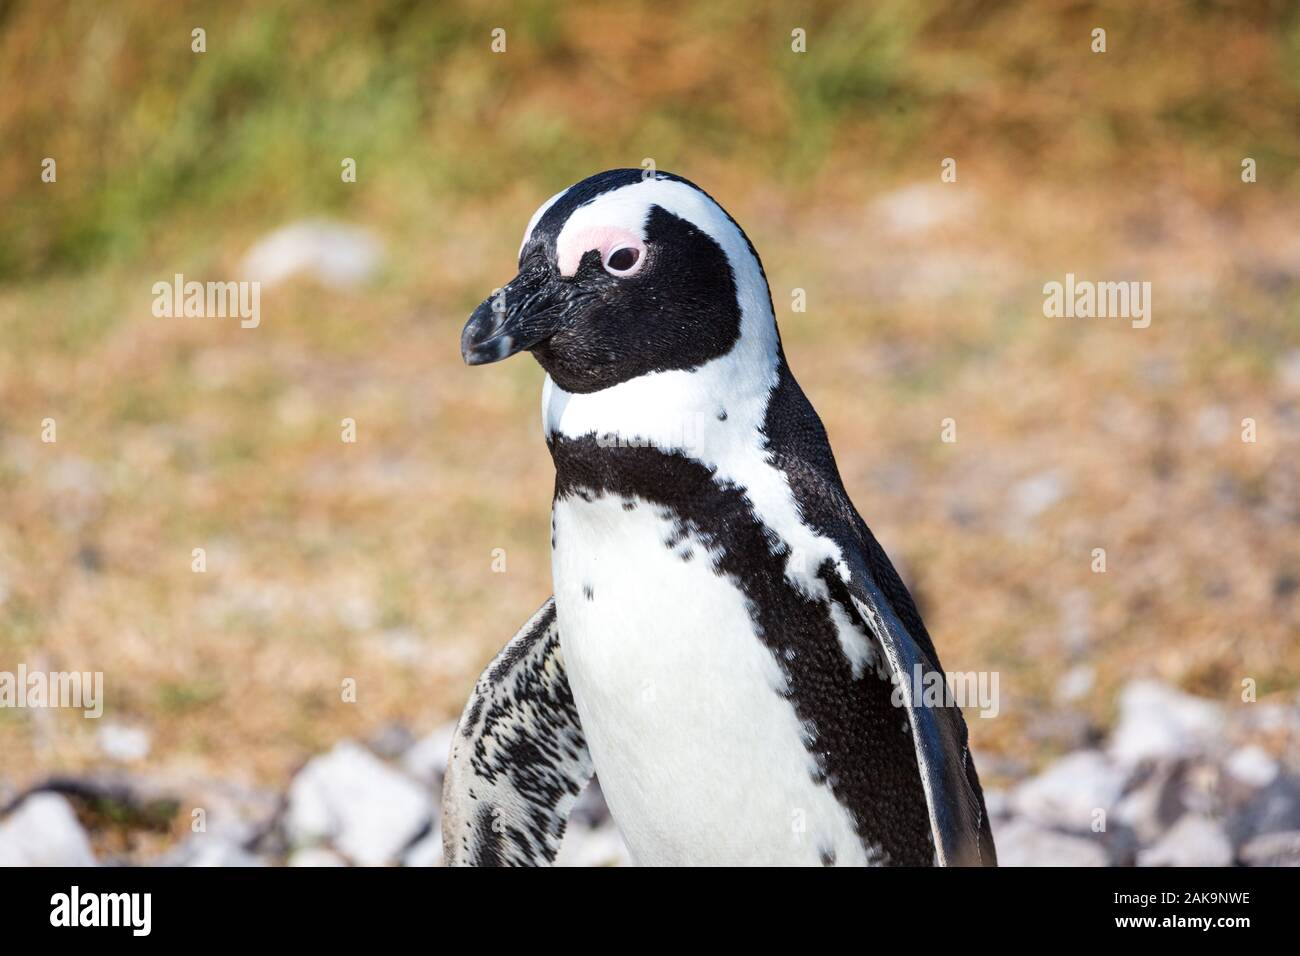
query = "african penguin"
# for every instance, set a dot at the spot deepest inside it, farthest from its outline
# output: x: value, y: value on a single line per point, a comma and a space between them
x: 726, y: 635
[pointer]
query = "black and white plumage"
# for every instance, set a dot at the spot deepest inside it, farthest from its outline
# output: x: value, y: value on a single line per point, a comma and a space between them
x: 725, y: 635
x: 518, y: 758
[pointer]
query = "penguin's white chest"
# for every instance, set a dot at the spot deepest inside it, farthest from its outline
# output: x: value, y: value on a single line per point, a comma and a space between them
x: 700, y: 757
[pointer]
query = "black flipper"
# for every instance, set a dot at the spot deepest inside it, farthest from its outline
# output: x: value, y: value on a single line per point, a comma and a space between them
x: 962, y: 836
x: 799, y: 447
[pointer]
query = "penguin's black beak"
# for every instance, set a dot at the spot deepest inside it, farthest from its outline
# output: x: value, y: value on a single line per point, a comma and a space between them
x: 528, y: 310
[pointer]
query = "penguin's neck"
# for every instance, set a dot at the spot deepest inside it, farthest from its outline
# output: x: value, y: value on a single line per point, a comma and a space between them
x: 701, y: 413
x: 630, y: 441
x: 710, y: 414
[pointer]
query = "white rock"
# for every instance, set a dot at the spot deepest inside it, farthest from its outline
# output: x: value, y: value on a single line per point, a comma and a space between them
x: 402, y: 645
x: 1149, y: 808
x: 1031, y: 496
x: 335, y: 254
x: 602, y: 846
x: 1273, y: 849
x: 44, y: 831
x: 210, y: 850
x: 1271, y: 718
x: 1192, y: 841
x: 426, y: 760
x: 122, y: 742
x: 234, y: 812
x: 391, y: 741
x: 1252, y: 765
x: 350, y: 797
x: 425, y: 852
x: 316, y: 856
x: 916, y: 209
x: 1022, y: 843
x: 1069, y: 792
x: 1075, y: 684
x: 1272, y: 808
x: 1157, y: 722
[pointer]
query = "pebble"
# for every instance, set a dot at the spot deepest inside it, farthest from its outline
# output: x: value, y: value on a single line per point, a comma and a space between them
x: 1160, y: 723
x: 44, y: 830
x: 427, y: 851
x: 123, y: 743
x: 206, y: 849
x: 426, y: 760
x: 1032, y: 496
x: 1023, y: 843
x: 1192, y: 841
x: 316, y: 856
x: 1253, y: 766
x: 334, y: 254
x: 363, y: 807
x: 1182, y: 781
x: 584, y: 846
x: 1071, y: 792
x: 1153, y: 804
x: 1273, y: 849
x: 1075, y: 684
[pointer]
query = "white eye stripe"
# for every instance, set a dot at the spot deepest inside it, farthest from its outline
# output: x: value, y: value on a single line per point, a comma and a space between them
x: 537, y: 217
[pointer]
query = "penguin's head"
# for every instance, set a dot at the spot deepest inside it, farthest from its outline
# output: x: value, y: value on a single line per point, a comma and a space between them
x: 624, y: 274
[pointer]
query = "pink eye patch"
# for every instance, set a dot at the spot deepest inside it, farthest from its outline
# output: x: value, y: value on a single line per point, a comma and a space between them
x: 606, y: 240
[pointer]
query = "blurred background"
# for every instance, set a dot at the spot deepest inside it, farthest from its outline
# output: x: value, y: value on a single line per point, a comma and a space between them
x: 374, y: 560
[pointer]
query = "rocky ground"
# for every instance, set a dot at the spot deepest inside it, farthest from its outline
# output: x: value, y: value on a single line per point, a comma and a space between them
x: 1181, y: 781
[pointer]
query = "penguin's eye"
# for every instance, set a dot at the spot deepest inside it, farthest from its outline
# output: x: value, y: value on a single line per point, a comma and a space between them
x: 621, y: 261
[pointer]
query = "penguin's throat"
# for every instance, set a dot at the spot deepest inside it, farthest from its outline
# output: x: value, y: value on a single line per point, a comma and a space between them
x: 704, y: 414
